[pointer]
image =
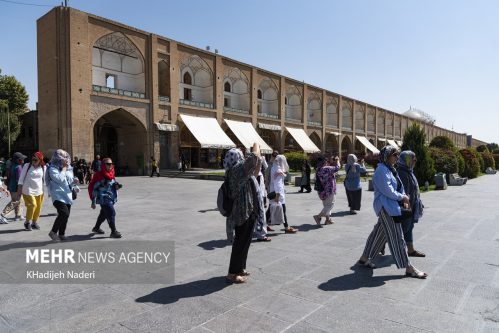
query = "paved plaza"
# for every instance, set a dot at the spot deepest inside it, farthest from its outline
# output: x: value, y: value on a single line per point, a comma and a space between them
x: 305, y: 282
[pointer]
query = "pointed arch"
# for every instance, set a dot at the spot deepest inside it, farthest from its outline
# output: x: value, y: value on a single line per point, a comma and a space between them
x: 117, y: 61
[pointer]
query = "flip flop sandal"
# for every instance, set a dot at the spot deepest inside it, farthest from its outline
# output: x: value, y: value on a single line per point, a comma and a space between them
x: 367, y: 264
x: 265, y: 239
x: 417, y: 274
x: 416, y: 254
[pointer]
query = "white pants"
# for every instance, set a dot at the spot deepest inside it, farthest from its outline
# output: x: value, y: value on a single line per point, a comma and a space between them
x: 328, y: 204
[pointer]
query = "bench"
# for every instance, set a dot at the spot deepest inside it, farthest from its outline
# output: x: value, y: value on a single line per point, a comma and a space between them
x: 490, y: 171
x: 456, y: 180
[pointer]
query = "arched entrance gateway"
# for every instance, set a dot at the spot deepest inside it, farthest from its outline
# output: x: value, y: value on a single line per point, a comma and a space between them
x: 346, y: 148
x: 121, y: 136
x: 332, y: 144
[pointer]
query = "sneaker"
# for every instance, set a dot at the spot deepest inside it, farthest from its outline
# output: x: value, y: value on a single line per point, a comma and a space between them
x: 3, y: 220
x: 27, y: 226
x: 115, y: 234
x: 54, y: 236
x: 98, y: 231
x: 62, y: 237
x: 35, y: 226
x: 19, y: 218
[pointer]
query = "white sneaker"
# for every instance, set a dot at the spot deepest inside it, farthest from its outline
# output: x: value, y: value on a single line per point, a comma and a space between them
x: 3, y: 220
x: 19, y: 218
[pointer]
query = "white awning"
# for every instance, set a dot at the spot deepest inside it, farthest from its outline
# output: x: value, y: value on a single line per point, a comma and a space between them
x: 400, y: 143
x: 334, y: 133
x: 207, y: 132
x: 368, y: 144
x: 303, y: 140
x: 269, y: 127
x: 167, y: 127
x: 246, y: 133
x: 393, y: 143
x: 381, y: 139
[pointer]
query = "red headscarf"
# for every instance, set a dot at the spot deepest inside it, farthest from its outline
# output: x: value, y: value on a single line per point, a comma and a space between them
x: 100, y: 175
x: 39, y: 155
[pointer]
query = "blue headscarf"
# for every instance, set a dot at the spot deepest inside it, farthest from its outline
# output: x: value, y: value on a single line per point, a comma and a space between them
x: 59, y: 157
x: 406, y: 159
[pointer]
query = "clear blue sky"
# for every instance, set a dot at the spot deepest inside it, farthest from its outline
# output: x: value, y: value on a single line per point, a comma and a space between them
x: 439, y: 56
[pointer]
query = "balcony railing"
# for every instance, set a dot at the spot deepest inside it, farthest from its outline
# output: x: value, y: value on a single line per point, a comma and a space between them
x: 267, y: 115
x: 228, y: 109
x: 120, y: 92
x: 198, y: 104
x: 164, y: 99
x: 315, y: 123
x: 294, y: 120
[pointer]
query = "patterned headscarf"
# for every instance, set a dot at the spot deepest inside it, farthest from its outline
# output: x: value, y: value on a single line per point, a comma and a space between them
x: 351, y: 160
x: 232, y: 157
x: 386, y: 152
x: 59, y: 157
x: 406, y: 159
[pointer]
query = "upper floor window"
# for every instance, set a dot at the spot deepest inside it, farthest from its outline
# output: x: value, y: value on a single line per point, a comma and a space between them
x: 227, y: 87
x: 187, y: 78
x: 259, y: 94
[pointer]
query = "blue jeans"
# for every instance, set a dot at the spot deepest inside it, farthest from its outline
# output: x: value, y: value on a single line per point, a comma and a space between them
x: 407, y: 226
x: 108, y: 213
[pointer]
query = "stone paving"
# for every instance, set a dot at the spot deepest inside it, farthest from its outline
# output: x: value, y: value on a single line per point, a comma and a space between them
x: 299, y: 283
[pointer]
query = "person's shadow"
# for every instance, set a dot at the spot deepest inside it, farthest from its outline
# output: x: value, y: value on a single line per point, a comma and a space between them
x: 362, y: 277
x: 214, y: 244
x: 173, y: 293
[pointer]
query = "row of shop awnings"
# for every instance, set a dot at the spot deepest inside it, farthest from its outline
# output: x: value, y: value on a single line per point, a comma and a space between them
x: 209, y: 134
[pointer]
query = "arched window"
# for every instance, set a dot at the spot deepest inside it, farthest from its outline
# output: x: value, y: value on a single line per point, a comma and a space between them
x: 259, y: 94
x: 187, y: 78
x: 227, y: 87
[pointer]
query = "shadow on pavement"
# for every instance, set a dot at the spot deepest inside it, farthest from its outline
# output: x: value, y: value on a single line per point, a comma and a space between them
x: 208, y: 210
x: 23, y: 245
x: 361, y: 277
x: 11, y: 231
x: 214, y: 244
x: 173, y: 293
x: 307, y: 227
x: 341, y: 214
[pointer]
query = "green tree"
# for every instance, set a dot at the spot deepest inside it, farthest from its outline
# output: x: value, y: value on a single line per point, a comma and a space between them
x: 442, y: 142
x: 415, y: 140
x: 482, y: 148
x: 14, y: 98
x: 472, y: 163
x: 492, y: 146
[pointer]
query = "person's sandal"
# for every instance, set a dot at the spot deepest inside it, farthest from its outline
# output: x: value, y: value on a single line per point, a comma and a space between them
x: 317, y: 219
x: 269, y: 228
x: 329, y: 222
x: 290, y: 230
x: 244, y: 273
x: 416, y: 274
x: 367, y: 264
x: 264, y: 239
x: 233, y: 278
x: 416, y: 253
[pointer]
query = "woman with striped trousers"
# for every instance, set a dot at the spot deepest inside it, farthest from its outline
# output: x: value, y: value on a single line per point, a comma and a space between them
x: 389, y: 196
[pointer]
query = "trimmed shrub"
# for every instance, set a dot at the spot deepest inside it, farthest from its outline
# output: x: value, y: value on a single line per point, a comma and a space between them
x: 414, y: 139
x: 295, y: 160
x: 442, y: 141
x: 482, y: 148
x: 496, y: 151
x: 445, y: 160
x: 480, y: 161
x: 496, y: 159
x: 488, y: 160
x: 460, y: 163
x: 471, y: 163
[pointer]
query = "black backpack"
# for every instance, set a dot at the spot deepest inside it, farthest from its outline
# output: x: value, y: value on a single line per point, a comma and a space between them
x: 224, y: 200
x: 318, y: 184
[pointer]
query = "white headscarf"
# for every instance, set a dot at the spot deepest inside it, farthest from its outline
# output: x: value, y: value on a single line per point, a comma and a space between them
x: 280, y: 165
x: 232, y: 157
